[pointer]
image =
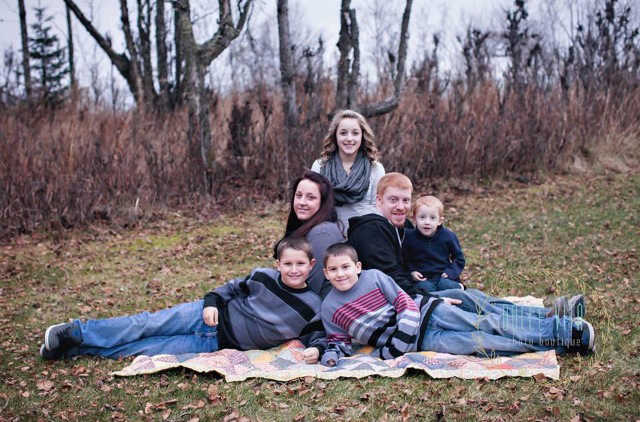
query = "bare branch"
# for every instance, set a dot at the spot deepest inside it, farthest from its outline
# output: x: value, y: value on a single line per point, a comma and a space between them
x: 226, y: 32
x: 119, y: 60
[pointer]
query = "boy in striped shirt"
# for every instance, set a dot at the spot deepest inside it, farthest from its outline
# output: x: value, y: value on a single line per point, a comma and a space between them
x: 368, y: 307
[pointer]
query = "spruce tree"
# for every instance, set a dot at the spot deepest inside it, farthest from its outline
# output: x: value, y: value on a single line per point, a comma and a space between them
x: 48, y: 60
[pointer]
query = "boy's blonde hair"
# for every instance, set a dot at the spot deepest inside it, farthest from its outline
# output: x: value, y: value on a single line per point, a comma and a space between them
x: 338, y: 249
x: 428, y: 201
x: 295, y: 243
x: 395, y: 180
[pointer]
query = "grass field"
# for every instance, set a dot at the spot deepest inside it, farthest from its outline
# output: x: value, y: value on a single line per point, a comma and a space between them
x: 570, y: 234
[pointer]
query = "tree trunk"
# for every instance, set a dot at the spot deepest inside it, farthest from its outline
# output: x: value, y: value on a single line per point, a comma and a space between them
x: 134, y: 63
x: 144, y: 34
x: 346, y: 43
x: 179, y: 90
x: 197, y: 58
x: 161, y: 48
x: 349, y: 72
x: 286, y: 65
x: 26, y: 66
x: 287, y: 83
x: 72, y: 66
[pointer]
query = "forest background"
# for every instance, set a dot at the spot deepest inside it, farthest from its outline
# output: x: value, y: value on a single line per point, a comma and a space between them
x: 509, y: 98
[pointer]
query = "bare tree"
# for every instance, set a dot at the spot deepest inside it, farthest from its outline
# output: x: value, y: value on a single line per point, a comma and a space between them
x: 286, y: 64
x: 72, y: 67
x: 26, y: 67
x: 127, y: 65
x: 197, y: 58
x: 349, y: 63
x: 161, y: 55
x: 192, y: 61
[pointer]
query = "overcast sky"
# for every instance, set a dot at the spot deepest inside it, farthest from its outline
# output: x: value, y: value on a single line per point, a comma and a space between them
x: 314, y: 17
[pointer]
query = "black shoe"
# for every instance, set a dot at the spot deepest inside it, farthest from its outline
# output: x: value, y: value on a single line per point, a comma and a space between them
x: 49, y: 355
x: 59, y: 338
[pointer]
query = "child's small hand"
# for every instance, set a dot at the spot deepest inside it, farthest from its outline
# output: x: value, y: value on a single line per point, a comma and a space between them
x: 330, y: 362
x: 210, y: 316
x: 451, y: 301
x: 444, y: 275
x: 417, y: 275
x: 311, y: 355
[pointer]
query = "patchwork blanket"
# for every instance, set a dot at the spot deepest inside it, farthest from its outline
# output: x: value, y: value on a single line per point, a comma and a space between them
x: 285, y: 363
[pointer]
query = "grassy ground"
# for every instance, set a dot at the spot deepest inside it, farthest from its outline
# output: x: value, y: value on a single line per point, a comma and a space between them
x: 566, y: 235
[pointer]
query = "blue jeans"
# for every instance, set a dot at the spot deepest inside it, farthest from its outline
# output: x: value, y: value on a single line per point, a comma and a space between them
x: 453, y: 330
x: 176, y: 330
x: 438, y: 283
x: 477, y: 302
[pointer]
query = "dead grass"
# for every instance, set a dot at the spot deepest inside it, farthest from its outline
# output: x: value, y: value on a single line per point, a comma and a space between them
x: 567, y: 234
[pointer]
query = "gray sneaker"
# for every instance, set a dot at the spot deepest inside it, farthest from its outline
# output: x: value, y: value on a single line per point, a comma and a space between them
x: 583, y: 337
x: 573, y: 307
x: 58, y: 337
x: 49, y: 355
x: 577, y: 306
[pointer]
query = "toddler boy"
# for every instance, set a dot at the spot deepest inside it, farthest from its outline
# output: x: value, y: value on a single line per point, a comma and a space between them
x: 369, y: 307
x: 431, y: 252
x: 262, y: 310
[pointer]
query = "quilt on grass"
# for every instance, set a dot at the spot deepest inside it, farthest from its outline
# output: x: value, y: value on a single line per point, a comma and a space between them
x: 285, y: 363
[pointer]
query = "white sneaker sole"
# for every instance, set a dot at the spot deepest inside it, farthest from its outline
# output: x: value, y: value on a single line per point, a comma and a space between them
x: 592, y: 337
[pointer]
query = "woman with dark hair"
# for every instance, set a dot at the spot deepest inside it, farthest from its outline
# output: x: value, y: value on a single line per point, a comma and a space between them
x: 312, y: 215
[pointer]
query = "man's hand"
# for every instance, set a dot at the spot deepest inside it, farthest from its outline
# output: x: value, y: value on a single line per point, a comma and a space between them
x: 210, y: 316
x: 417, y: 276
x: 311, y: 355
x: 444, y: 275
x: 451, y: 301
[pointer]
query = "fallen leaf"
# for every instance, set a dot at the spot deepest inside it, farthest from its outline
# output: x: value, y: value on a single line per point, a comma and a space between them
x: 539, y: 377
x: 196, y: 405
x: 45, y: 385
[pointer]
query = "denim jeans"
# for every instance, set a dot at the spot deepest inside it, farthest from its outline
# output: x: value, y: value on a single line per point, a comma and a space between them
x: 438, y: 283
x: 453, y: 330
x: 176, y: 330
x: 477, y: 302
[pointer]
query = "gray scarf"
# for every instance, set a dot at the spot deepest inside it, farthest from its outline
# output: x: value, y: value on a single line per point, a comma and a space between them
x: 352, y: 187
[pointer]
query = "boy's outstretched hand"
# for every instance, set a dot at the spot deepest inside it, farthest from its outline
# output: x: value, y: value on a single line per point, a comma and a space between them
x: 210, y: 316
x: 311, y: 355
x: 451, y: 301
x: 417, y: 275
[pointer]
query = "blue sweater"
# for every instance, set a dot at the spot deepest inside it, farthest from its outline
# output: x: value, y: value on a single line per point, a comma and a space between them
x: 432, y: 256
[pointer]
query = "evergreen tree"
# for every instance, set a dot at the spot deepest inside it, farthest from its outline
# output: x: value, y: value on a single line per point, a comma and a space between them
x: 48, y: 60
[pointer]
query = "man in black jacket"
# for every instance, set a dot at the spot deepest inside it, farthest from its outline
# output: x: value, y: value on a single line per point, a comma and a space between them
x: 378, y: 237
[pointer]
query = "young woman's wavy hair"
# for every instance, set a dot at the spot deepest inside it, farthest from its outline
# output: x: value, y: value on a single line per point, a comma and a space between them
x: 326, y: 212
x: 368, y: 145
